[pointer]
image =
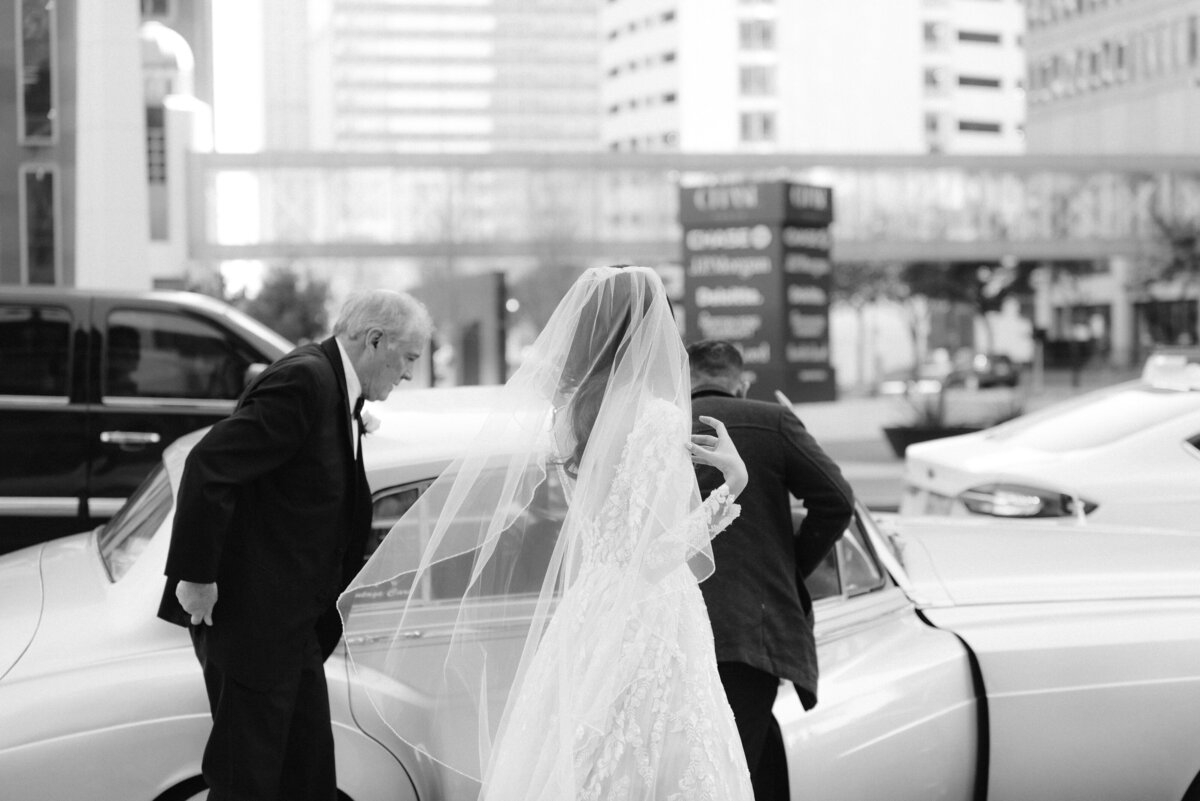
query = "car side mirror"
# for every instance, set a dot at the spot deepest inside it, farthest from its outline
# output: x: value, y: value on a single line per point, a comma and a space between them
x: 252, y: 372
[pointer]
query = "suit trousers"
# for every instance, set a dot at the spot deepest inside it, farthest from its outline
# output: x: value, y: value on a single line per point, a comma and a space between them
x: 751, y: 693
x: 269, y: 745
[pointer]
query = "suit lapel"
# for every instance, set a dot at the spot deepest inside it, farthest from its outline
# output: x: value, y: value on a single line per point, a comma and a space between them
x: 330, y: 349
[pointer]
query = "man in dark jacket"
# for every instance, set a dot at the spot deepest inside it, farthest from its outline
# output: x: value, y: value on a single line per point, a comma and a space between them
x: 273, y: 509
x: 760, y: 609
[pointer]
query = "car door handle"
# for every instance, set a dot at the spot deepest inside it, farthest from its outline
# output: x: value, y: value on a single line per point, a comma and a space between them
x: 125, y: 438
x: 371, y: 639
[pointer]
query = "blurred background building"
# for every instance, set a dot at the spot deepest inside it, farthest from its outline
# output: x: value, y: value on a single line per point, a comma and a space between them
x: 509, y: 144
x: 1120, y: 78
x: 804, y: 76
x: 1114, y: 77
x: 430, y: 77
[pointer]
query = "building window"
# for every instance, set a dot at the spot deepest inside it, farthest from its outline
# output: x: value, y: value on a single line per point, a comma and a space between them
x: 979, y: 37
x: 38, y: 210
x: 158, y: 9
x: 756, y: 34
x: 756, y: 80
x: 758, y: 126
x: 37, y: 59
x: 935, y: 79
x: 1193, y: 41
x: 668, y: 57
x: 933, y: 122
x: 979, y: 82
x: 934, y: 35
x: 668, y: 98
x: 972, y: 126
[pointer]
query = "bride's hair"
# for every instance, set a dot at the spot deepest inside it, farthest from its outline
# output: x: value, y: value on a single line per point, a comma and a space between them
x: 606, y: 324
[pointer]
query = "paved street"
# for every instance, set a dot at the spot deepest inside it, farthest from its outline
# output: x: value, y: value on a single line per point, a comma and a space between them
x: 851, y: 429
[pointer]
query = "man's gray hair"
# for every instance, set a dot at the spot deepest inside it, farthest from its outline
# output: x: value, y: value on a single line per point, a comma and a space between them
x: 394, y: 312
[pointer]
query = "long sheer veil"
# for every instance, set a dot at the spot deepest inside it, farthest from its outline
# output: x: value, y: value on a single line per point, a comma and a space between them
x: 444, y: 619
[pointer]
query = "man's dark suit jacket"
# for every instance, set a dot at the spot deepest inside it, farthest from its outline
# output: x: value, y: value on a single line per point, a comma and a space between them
x: 760, y: 610
x: 273, y: 507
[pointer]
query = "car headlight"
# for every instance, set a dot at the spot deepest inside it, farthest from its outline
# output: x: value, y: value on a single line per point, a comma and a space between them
x: 1018, y: 500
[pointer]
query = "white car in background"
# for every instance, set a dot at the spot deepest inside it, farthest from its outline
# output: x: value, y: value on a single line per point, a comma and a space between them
x: 1127, y: 454
x: 960, y: 659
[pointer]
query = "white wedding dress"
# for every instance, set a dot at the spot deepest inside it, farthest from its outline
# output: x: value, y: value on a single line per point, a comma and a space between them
x: 622, y: 699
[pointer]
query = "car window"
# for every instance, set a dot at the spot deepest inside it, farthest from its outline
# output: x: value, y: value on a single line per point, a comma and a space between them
x: 850, y: 569
x: 35, y: 350
x: 857, y: 565
x: 168, y: 355
x: 523, y: 551
x: 126, y: 535
x: 1097, y: 418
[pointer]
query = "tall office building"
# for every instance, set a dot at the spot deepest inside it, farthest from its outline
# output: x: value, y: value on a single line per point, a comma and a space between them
x: 451, y: 76
x: 856, y: 76
x: 1114, y: 76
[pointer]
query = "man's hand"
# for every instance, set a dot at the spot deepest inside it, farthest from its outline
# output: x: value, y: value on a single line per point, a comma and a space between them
x: 197, y: 600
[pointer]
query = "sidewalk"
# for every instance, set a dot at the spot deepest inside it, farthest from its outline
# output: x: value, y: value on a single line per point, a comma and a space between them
x: 851, y: 429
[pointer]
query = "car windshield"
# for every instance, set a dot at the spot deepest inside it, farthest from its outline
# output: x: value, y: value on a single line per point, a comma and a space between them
x: 1097, y: 418
x: 123, y: 538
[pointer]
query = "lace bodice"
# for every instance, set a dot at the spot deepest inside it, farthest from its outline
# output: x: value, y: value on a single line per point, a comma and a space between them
x: 654, y: 480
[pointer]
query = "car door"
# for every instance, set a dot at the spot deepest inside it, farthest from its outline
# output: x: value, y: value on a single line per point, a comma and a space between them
x: 162, y: 371
x: 43, y: 426
x: 374, y: 627
x: 896, y: 716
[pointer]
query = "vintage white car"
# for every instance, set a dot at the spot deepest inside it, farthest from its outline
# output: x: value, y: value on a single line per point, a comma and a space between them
x: 961, y: 659
x: 1127, y: 454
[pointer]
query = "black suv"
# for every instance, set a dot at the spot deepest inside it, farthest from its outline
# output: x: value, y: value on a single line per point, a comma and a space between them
x: 93, y: 386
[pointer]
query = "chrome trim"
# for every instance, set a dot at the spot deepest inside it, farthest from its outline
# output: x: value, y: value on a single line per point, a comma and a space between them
x: 130, y: 437
x: 40, y: 507
x: 37, y: 400
x: 105, y: 507
x: 171, y: 403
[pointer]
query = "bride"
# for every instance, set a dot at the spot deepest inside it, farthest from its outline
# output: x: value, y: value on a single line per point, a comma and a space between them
x: 578, y: 665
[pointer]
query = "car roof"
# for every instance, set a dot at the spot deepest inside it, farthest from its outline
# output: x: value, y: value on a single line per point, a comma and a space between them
x: 421, y: 431
x: 264, y: 337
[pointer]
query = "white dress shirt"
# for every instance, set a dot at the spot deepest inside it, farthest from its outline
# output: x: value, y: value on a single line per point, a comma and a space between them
x: 353, y: 390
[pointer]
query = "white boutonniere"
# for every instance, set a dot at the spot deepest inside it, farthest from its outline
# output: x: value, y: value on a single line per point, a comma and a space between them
x: 370, y: 422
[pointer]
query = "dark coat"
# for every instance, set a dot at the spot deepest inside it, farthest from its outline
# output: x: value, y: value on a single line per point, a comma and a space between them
x: 275, y: 509
x: 760, y: 609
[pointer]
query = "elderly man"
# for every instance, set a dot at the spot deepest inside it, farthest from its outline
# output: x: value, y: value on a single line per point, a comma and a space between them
x: 760, y: 610
x: 271, y: 520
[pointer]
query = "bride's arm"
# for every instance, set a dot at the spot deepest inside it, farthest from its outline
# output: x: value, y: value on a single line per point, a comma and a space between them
x: 677, y: 543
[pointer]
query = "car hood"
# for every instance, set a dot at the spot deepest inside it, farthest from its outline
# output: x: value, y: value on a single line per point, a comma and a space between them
x: 21, y: 596
x: 967, y: 562
x: 964, y: 458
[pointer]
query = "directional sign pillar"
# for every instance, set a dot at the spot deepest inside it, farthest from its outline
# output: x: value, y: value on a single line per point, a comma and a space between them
x: 757, y: 273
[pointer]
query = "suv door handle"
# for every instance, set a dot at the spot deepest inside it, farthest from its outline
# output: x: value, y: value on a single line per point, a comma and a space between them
x: 129, y: 438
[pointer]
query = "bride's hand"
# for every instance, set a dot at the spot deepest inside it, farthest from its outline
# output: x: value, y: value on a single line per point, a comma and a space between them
x: 719, y: 451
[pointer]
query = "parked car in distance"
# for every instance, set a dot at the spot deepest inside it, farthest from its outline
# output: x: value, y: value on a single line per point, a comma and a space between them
x: 968, y: 370
x: 1126, y: 454
x: 93, y: 386
x: 960, y: 659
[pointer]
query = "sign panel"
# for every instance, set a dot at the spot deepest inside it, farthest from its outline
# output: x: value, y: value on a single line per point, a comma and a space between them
x: 757, y: 273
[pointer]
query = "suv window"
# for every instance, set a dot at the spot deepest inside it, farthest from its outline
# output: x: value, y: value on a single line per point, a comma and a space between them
x: 35, y: 345
x: 165, y: 355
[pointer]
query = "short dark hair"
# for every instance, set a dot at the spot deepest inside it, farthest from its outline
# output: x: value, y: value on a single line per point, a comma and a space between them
x: 715, y: 357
